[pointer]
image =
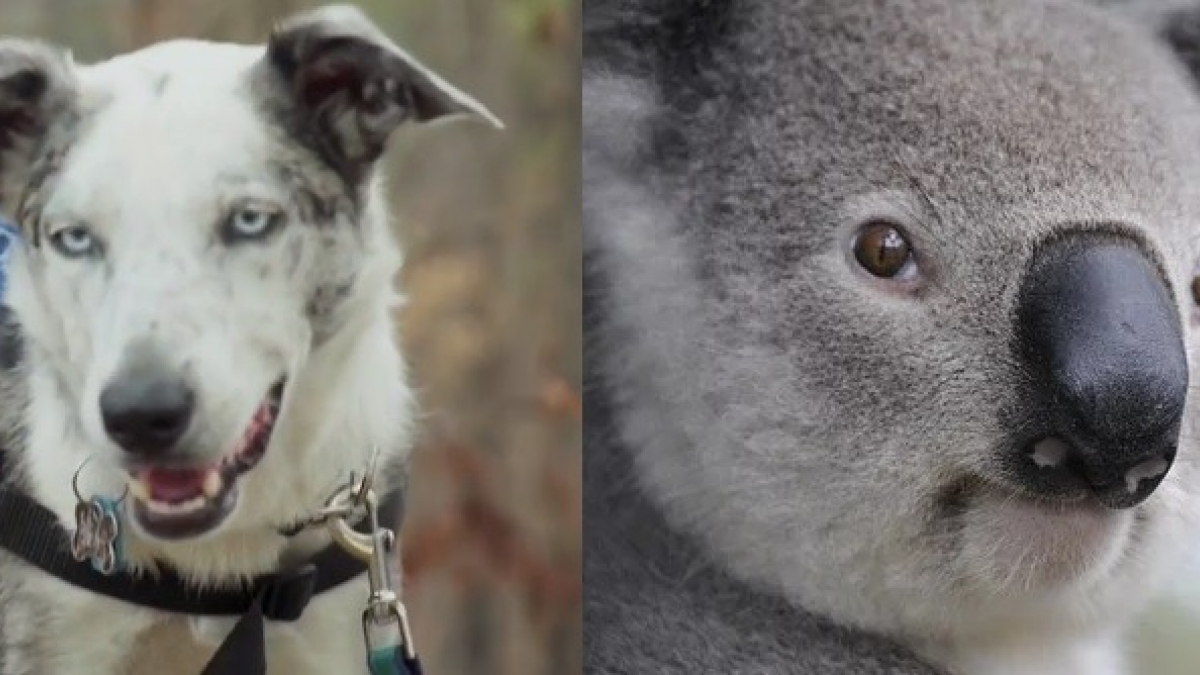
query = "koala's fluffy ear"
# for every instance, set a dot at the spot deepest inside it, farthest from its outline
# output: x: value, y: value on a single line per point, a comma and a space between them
x: 352, y: 86
x: 37, y: 89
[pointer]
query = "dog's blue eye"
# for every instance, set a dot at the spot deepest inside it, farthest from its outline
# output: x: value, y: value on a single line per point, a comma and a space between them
x: 74, y: 242
x: 249, y: 222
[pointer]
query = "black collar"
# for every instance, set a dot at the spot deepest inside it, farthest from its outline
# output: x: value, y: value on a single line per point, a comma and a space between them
x: 34, y: 533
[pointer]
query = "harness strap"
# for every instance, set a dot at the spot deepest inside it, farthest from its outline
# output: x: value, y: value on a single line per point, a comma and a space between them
x: 34, y: 533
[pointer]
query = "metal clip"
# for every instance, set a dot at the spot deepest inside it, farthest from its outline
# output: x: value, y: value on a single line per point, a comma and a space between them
x: 348, y: 501
x: 384, y: 620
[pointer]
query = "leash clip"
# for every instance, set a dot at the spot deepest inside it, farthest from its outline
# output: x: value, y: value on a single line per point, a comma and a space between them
x: 346, y: 503
x: 386, y: 631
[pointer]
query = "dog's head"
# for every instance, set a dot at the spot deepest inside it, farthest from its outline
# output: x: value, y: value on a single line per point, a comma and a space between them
x: 200, y: 219
x: 899, y: 325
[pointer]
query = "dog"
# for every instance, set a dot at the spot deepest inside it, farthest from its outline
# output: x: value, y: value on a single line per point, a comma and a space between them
x: 200, y: 321
x: 889, y: 314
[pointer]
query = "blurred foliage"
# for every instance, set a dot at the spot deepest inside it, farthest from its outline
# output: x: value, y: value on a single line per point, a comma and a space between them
x: 490, y: 225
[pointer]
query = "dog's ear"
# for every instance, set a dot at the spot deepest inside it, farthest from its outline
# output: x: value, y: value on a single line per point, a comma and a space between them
x: 353, y: 86
x: 37, y: 89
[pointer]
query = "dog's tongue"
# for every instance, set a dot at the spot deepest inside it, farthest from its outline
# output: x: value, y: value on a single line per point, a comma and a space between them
x: 174, y: 485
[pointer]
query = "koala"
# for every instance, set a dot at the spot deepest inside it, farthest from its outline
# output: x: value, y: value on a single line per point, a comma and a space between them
x: 888, y: 314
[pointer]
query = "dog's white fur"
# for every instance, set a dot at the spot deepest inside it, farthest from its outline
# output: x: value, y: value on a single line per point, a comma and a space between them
x: 169, y: 138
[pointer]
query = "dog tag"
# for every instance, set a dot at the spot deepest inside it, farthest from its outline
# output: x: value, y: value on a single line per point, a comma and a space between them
x: 97, y: 535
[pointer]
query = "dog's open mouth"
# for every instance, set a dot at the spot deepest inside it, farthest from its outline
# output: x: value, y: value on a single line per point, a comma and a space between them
x: 182, y: 502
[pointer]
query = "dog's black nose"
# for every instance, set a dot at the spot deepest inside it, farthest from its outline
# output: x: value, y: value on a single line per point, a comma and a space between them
x: 146, y: 408
x: 1099, y: 329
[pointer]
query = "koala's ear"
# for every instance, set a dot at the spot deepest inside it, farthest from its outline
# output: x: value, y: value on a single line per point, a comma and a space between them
x: 352, y: 86
x: 37, y: 89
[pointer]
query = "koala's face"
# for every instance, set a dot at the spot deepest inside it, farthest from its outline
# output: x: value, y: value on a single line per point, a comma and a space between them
x: 905, y: 333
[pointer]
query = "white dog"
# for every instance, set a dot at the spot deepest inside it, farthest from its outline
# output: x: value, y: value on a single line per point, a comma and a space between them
x: 204, y: 302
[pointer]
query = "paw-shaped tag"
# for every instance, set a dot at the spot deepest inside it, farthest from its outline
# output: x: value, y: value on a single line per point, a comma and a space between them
x: 97, y: 535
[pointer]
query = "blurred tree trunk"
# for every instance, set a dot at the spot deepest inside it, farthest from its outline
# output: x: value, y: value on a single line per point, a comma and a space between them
x: 494, y: 332
x: 146, y: 21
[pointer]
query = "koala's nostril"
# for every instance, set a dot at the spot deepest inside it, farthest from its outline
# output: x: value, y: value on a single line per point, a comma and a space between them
x: 146, y: 411
x: 1057, y: 467
x: 1150, y: 470
x: 1100, y: 332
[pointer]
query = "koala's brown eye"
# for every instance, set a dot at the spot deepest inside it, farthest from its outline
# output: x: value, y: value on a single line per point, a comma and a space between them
x: 1196, y: 290
x: 882, y: 249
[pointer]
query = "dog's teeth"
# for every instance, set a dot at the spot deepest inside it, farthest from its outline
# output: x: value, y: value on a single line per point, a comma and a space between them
x: 213, y: 483
x: 139, y: 490
x: 163, y: 508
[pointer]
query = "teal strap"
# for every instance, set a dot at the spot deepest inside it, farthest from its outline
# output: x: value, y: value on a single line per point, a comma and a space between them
x: 392, y: 661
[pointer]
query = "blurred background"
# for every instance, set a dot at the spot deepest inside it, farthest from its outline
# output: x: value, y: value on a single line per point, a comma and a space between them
x: 490, y: 225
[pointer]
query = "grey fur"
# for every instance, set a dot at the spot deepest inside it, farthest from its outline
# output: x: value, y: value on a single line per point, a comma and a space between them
x: 321, y: 196
x: 11, y: 345
x: 323, y: 305
x: 1177, y: 21
x: 325, y: 200
x: 38, y: 104
x: 703, y: 620
x: 44, y: 167
x: 786, y: 471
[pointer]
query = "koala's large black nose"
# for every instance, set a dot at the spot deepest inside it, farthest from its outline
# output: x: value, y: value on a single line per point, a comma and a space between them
x: 146, y: 408
x: 1099, y: 329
